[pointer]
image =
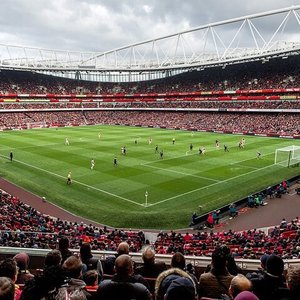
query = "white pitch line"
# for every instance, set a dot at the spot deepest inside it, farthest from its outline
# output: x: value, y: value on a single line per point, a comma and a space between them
x: 186, y: 174
x: 207, y: 186
x: 81, y: 183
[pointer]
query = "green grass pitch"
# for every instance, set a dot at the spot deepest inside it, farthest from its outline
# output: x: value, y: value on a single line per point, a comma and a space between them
x: 115, y: 195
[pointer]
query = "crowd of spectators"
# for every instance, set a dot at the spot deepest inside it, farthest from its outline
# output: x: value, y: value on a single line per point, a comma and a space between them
x: 23, y: 226
x: 275, y: 74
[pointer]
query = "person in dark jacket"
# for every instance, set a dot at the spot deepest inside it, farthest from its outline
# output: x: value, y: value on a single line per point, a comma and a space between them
x: 122, y: 285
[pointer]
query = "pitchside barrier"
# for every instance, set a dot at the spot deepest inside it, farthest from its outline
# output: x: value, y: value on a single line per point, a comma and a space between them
x: 200, y: 221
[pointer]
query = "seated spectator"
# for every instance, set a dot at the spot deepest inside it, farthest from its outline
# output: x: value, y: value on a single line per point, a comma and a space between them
x: 53, y: 258
x: 91, y: 278
x: 261, y: 270
x: 246, y: 295
x: 7, y: 289
x: 122, y: 285
x: 47, y: 285
x: 165, y: 279
x: 73, y: 269
x: 217, y: 281
x: 22, y: 260
x: 238, y: 284
x: 109, y: 263
x: 178, y: 261
x: 150, y: 268
x: 271, y: 284
x: 90, y: 262
x: 63, y: 247
x: 293, y: 282
x: 181, y: 288
x: 8, y: 268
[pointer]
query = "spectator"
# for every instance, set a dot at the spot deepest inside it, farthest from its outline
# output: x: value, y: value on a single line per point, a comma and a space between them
x: 7, y: 289
x: 217, y: 281
x: 8, y: 268
x: 73, y: 269
x: 246, y: 295
x: 22, y: 260
x: 108, y: 267
x: 271, y: 285
x: 150, y: 268
x: 181, y: 288
x: 90, y: 262
x: 178, y: 261
x: 293, y: 282
x: 238, y: 284
x: 53, y: 258
x: 122, y: 285
x: 63, y: 247
x: 91, y: 279
x: 47, y: 285
x: 165, y: 279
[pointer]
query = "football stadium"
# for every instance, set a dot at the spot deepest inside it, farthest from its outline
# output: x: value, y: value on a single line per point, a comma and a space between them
x: 185, y: 147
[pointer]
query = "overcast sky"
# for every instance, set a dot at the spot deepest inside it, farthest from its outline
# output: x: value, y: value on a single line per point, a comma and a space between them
x: 97, y: 25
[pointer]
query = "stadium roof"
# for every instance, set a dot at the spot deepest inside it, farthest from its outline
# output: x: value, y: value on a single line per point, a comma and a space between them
x: 247, y: 38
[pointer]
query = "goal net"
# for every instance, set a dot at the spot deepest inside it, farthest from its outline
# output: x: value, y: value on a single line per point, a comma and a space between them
x: 32, y: 125
x: 287, y: 156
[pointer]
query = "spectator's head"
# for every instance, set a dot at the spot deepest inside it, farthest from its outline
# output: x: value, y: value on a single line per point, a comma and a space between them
x: 246, y: 295
x: 275, y: 265
x: 124, y: 266
x: 85, y: 251
x: 148, y: 256
x: 293, y: 280
x: 7, y: 289
x: 178, y: 261
x: 263, y: 260
x: 63, y: 243
x: 8, y: 268
x: 73, y: 266
x: 238, y: 284
x: 123, y: 248
x: 181, y: 288
x: 22, y: 260
x: 91, y: 277
x: 219, y: 259
x: 53, y: 258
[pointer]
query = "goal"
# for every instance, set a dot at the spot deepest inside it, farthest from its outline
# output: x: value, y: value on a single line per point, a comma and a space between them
x: 287, y: 156
x: 33, y: 125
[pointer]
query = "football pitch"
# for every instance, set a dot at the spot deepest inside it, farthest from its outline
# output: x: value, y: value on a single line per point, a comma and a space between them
x: 143, y: 190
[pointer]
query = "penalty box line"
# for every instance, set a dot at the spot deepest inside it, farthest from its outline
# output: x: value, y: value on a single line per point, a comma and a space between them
x: 211, y: 185
x: 81, y: 183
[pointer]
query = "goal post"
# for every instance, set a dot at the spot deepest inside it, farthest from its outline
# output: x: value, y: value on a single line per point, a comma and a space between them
x: 32, y: 125
x: 287, y: 156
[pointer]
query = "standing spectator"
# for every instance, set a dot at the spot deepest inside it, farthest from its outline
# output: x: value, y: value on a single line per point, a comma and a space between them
x: 217, y: 281
x: 53, y: 258
x: 122, y: 285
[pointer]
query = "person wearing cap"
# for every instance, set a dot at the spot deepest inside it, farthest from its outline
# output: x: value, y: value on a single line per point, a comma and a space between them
x: 260, y: 272
x: 271, y: 284
x: 24, y: 275
x: 181, y: 288
x: 246, y: 295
